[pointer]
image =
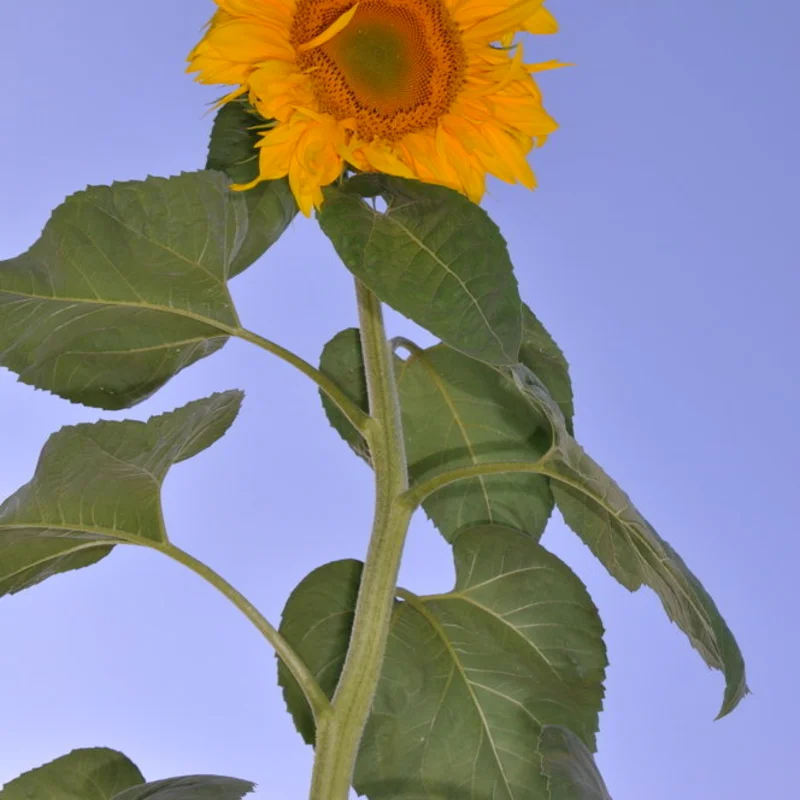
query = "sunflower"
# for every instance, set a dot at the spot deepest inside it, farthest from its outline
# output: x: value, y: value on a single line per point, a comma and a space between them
x: 435, y: 90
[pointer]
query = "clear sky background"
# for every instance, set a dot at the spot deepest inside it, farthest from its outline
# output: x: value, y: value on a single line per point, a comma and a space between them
x: 661, y: 250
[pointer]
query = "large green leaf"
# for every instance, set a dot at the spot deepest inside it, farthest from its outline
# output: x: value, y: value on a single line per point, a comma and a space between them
x: 595, y: 507
x: 433, y: 256
x: 193, y: 787
x: 569, y: 766
x: 98, y: 485
x: 458, y: 412
x: 470, y: 677
x: 125, y: 288
x: 97, y: 774
x: 540, y: 354
x: 270, y: 205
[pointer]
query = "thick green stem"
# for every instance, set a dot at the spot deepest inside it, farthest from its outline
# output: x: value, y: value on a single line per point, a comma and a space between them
x: 339, y: 735
x: 317, y: 699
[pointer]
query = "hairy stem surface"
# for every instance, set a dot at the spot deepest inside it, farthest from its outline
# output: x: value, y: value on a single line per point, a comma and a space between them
x: 339, y: 734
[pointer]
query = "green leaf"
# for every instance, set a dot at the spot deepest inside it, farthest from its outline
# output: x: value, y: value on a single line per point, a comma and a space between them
x: 316, y: 621
x: 470, y: 677
x: 569, y: 766
x: 540, y: 354
x: 595, y: 507
x: 270, y: 205
x: 458, y: 412
x: 194, y: 787
x: 125, y: 288
x: 342, y: 360
x: 98, y: 485
x: 96, y: 774
x: 433, y: 256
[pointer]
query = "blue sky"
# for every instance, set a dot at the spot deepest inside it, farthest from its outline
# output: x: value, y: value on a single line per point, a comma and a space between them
x: 661, y: 250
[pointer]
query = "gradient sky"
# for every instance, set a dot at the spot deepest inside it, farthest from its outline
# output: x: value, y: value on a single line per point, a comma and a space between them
x: 661, y: 250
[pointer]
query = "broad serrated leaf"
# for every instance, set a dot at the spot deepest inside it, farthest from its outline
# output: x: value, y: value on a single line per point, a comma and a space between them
x: 192, y: 787
x: 458, y: 412
x: 595, y: 507
x: 342, y: 360
x: 92, y: 774
x: 98, y: 485
x: 125, y: 288
x: 470, y: 677
x: 540, y: 354
x: 433, y: 256
x: 271, y: 206
x: 569, y: 766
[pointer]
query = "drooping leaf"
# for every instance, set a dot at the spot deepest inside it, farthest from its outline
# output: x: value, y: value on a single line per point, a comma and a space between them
x: 458, y: 412
x: 540, y: 354
x: 124, y: 289
x: 342, y: 360
x: 270, y: 205
x: 595, y: 507
x: 470, y: 677
x: 193, y: 787
x: 98, y: 485
x: 433, y: 256
x: 93, y: 774
x: 316, y: 621
x: 569, y: 766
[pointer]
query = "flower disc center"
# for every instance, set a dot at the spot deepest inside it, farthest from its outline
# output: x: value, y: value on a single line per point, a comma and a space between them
x: 394, y: 68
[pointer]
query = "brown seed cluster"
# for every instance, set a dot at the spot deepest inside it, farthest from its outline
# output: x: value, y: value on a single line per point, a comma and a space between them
x: 420, y: 89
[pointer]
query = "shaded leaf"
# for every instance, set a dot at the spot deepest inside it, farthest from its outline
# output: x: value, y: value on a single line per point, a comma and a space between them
x: 124, y: 289
x: 270, y: 205
x: 458, y: 412
x: 569, y: 766
x: 316, y: 621
x: 433, y: 256
x: 194, y: 787
x: 342, y: 360
x: 95, y: 774
x: 98, y: 485
x: 595, y: 507
x: 470, y: 677
x: 540, y: 354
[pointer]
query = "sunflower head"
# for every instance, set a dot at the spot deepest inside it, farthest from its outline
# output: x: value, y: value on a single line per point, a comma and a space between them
x: 435, y: 90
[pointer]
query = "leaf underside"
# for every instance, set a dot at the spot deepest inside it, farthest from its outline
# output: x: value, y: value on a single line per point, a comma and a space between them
x: 98, y: 485
x: 470, y: 677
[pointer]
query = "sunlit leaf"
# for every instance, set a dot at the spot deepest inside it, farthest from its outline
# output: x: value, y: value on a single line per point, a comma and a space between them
x: 98, y: 485
x: 433, y: 256
x: 193, y: 787
x: 125, y: 287
x: 270, y: 205
x: 595, y: 507
x: 96, y: 774
x: 569, y: 766
x: 470, y: 676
